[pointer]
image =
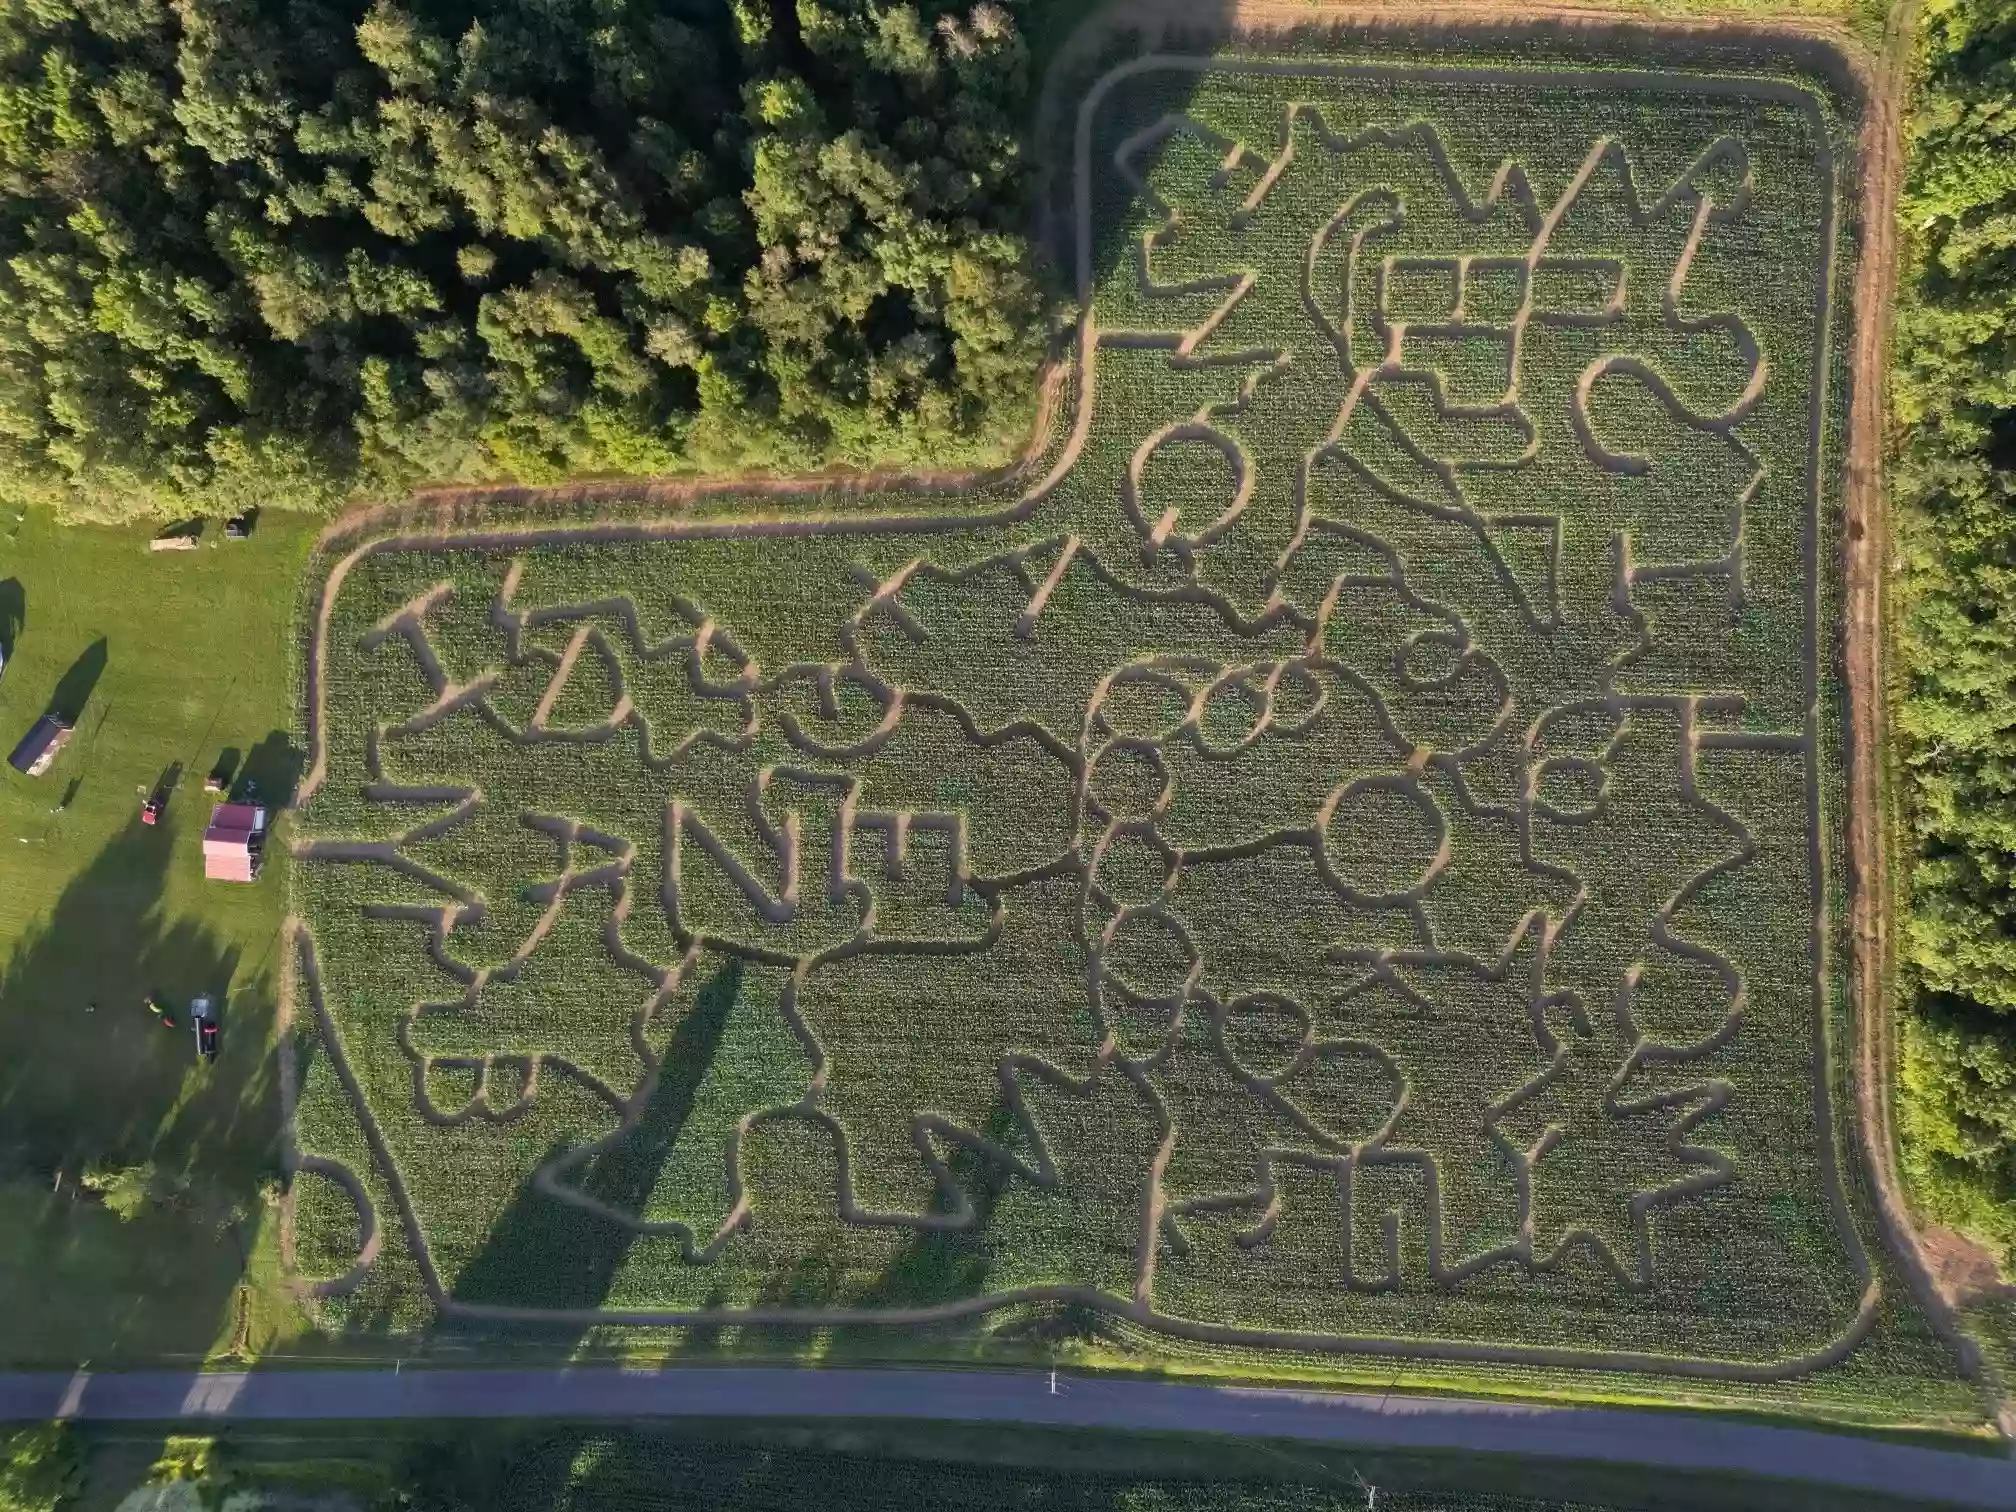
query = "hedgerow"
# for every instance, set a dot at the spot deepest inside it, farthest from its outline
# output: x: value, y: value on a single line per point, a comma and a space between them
x: 1954, y: 396
x: 614, y: 1471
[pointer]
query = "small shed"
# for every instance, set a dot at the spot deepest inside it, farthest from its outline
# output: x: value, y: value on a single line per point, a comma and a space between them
x: 41, y: 746
x: 234, y: 842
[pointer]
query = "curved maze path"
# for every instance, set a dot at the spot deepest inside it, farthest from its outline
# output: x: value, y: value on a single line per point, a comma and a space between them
x: 1340, y: 863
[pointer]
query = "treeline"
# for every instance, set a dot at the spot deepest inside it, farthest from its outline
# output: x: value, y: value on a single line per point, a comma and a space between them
x: 753, y: 1467
x: 1953, y: 394
x: 286, y: 252
x: 630, y: 1470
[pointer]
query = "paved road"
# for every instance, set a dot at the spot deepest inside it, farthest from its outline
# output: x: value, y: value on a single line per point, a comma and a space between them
x: 1655, y: 1440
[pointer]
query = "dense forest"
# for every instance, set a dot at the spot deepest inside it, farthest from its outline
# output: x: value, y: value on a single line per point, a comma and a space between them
x: 1953, y: 392
x: 293, y: 251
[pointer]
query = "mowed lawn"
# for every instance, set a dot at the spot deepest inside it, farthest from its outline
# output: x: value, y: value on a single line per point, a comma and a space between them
x: 167, y: 662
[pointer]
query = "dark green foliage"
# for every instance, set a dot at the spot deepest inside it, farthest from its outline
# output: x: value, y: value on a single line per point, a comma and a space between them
x: 288, y: 251
x: 1954, y: 390
x: 620, y: 1470
x: 39, y: 1469
x: 1960, y: 1119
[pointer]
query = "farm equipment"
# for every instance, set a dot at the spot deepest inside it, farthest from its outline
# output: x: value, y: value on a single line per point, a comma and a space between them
x: 203, y: 1017
x: 154, y: 800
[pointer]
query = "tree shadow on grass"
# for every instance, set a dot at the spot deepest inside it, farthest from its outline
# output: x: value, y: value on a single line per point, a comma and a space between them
x: 224, y: 770
x: 270, y: 772
x: 13, y: 613
x: 93, y: 1083
x: 547, y: 1253
x: 169, y: 780
x: 74, y: 689
x: 725, y: 1468
x: 95, y: 1075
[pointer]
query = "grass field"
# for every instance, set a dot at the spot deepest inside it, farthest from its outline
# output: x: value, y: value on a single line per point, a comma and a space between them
x: 1339, y: 861
x: 164, y: 662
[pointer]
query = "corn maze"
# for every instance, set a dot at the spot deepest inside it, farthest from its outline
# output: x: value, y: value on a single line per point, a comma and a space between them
x: 1338, y: 855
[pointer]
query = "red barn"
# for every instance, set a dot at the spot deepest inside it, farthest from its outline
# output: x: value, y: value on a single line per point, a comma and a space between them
x: 234, y: 842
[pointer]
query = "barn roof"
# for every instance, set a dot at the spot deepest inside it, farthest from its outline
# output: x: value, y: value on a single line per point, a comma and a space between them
x: 231, y: 842
x: 235, y: 822
x: 47, y: 734
x: 223, y: 865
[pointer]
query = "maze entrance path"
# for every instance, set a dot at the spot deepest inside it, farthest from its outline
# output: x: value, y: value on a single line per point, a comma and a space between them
x: 1342, y: 857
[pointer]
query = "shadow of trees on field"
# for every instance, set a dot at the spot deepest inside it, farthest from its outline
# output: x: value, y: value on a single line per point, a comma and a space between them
x: 547, y: 1253
x: 942, y: 1265
x: 867, y: 1465
x: 91, y: 1083
x: 131, y: 1172
x: 97, y: 1076
x: 166, y: 784
x: 269, y: 773
x: 13, y: 613
x: 75, y: 687
x: 779, y: 1466
x: 588, y: 1468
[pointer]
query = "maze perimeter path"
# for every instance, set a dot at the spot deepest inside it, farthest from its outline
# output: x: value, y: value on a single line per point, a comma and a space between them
x: 1343, y: 857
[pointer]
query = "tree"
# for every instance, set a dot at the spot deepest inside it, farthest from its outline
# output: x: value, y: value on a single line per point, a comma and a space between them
x: 1954, y: 391
x: 40, y: 1469
x: 254, y: 252
x: 129, y: 1191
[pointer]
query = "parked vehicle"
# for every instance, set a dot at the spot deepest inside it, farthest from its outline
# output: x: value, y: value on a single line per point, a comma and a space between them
x: 203, y: 1016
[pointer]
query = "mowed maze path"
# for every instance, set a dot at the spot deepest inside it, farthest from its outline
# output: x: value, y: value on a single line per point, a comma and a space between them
x: 1339, y: 855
